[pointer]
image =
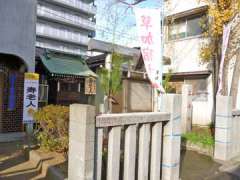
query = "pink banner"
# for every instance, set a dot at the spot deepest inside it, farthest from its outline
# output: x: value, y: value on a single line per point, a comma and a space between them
x: 150, y: 36
x: 226, y: 35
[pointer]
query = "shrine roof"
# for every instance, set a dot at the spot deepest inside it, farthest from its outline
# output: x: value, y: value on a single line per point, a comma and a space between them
x: 66, y: 65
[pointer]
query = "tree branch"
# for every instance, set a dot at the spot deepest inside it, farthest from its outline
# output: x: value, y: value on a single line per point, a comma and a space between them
x: 131, y: 4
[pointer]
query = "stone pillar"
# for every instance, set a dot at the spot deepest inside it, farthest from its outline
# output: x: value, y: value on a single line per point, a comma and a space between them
x: 223, y: 128
x: 81, y: 142
x: 186, y: 108
x: 171, y: 103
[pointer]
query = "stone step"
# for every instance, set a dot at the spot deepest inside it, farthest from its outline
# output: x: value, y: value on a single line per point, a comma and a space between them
x: 11, y: 137
x: 25, y: 170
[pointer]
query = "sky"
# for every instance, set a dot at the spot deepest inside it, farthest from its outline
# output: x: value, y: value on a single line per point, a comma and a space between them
x: 116, y: 22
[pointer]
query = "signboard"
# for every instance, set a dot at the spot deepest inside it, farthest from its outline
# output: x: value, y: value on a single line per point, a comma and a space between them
x: 139, y: 97
x: 90, y: 86
x: 30, y: 103
x: 150, y: 36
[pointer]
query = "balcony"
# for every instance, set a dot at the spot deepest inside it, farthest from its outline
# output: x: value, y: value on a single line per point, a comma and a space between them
x: 75, y: 5
x: 58, y: 17
x: 60, y: 48
x: 61, y: 35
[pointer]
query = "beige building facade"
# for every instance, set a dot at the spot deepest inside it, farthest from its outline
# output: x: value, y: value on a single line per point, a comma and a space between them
x: 184, y: 37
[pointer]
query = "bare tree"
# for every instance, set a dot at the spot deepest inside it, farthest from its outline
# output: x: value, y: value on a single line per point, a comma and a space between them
x: 135, y: 2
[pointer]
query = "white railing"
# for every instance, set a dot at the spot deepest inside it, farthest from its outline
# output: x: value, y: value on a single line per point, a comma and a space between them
x: 149, y: 126
x: 151, y: 148
x: 66, y: 19
x: 77, y: 4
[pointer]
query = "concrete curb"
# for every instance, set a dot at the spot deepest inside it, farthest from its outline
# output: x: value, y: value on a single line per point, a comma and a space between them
x: 233, y: 169
x: 197, y: 148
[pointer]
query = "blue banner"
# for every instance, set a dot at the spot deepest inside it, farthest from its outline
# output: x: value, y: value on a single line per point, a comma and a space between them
x: 12, y: 92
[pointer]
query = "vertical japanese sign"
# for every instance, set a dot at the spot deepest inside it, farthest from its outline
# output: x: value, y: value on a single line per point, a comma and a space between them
x: 30, y: 103
x: 226, y: 35
x: 150, y: 36
x: 90, y: 86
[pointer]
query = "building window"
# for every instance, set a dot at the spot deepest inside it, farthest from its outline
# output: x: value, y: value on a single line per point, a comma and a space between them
x: 69, y: 87
x: 186, y: 27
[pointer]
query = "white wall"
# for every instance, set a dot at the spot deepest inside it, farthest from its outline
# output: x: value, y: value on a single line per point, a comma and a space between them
x: 184, y: 54
x: 201, y: 114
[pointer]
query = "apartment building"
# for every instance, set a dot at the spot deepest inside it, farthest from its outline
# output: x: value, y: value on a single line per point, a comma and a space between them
x: 49, y: 37
x: 183, y: 40
x: 65, y: 25
x: 63, y: 29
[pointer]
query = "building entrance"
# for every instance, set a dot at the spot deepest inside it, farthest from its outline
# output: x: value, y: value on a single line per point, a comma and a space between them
x: 12, y: 71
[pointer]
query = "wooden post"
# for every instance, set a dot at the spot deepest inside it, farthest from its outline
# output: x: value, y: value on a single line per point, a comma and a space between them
x: 186, y: 108
x: 144, y: 150
x: 156, y: 151
x: 113, y: 166
x: 130, y: 152
x: 98, y: 154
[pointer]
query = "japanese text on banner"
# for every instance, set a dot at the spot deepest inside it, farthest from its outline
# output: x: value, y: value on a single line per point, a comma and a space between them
x: 30, y: 104
x: 149, y: 31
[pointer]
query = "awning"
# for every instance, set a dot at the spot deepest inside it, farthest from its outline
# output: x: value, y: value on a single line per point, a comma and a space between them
x: 59, y: 64
x: 189, y: 75
x: 186, y: 13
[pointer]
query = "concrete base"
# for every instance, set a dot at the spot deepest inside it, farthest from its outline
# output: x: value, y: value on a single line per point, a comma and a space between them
x: 10, y: 137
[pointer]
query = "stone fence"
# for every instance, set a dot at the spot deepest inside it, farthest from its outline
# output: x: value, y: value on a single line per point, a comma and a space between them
x: 227, y: 130
x: 145, y: 145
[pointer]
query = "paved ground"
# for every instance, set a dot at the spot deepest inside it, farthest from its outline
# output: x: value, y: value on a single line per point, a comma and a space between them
x: 199, y: 167
x: 14, y: 166
x: 13, y: 163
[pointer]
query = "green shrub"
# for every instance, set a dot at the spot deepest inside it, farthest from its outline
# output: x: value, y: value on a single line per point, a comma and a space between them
x: 203, y: 139
x: 52, y: 128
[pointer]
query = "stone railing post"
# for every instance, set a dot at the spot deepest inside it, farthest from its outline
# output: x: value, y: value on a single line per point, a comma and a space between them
x: 81, y: 142
x: 186, y: 108
x: 171, y: 103
x: 223, y: 128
